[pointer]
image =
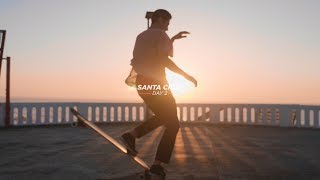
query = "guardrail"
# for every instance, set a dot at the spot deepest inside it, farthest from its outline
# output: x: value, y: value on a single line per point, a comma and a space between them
x: 26, y: 114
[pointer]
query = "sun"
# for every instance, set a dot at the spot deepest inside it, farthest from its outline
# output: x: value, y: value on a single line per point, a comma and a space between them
x: 178, y: 84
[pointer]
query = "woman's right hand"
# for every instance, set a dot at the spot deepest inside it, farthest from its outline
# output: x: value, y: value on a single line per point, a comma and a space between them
x: 193, y: 80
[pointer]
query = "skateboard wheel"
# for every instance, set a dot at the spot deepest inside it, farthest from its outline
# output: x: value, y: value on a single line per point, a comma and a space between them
x: 74, y: 124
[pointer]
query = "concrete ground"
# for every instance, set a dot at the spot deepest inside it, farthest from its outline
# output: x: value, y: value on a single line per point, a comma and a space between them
x: 202, y: 151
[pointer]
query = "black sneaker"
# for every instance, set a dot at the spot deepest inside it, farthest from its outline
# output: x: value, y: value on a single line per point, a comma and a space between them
x: 130, y: 142
x: 157, y: 170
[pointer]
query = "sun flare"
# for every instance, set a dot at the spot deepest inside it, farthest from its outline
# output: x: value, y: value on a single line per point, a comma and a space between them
x: 179, y: 85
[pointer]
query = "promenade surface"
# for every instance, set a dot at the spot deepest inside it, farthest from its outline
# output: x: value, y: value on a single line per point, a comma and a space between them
x: 201, y: 152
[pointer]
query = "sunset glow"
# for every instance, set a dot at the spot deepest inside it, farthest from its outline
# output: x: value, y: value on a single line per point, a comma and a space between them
x: 239, y: 51
x: 179, y: 86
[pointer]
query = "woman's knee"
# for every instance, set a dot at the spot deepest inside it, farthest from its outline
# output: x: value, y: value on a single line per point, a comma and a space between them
x: 173, y: 125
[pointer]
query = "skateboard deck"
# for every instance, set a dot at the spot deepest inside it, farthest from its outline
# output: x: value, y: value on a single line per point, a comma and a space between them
x: 109, y: 138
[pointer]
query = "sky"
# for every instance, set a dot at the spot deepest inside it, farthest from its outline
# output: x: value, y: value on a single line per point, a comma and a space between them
x: 240, y: 51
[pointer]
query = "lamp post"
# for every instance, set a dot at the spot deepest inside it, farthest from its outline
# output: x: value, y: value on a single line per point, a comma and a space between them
x: 7, y: 111
x: 3, y: 38
x: 7, y: 117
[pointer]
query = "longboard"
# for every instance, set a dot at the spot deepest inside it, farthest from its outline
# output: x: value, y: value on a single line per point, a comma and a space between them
x: 109, y: 138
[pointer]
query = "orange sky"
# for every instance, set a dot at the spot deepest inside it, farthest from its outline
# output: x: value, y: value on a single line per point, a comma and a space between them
x: 239, y: 52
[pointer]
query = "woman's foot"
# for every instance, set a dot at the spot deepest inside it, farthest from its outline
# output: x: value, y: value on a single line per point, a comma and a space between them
x: 157, y: 170
x: 130, y: 142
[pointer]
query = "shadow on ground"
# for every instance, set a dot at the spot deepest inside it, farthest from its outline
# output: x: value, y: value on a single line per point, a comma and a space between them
x: 201, y: 152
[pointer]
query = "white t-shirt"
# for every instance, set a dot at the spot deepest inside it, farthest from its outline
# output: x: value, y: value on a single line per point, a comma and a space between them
x: 151, y: 48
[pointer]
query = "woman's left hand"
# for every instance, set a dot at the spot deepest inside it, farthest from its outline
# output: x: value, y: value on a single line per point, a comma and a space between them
x: 180, y: 35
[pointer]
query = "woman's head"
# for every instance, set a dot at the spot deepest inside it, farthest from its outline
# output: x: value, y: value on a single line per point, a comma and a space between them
x: 162, y: 18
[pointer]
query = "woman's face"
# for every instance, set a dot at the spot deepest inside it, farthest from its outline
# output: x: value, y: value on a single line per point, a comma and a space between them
x: 163, y: 23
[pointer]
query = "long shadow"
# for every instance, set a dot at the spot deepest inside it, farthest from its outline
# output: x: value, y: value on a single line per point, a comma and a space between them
x: 186, y: 142
x: 246, y: 159
x: 204, y: 138
x: 196, y: 148
x: 179, y: 150
x: 196, y: 162
x: 203, y: 153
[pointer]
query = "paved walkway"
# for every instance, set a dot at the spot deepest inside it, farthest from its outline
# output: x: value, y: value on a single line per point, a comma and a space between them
x: 201, y: 152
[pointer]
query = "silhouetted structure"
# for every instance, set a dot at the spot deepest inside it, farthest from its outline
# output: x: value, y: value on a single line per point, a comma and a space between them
x: 3, y: 38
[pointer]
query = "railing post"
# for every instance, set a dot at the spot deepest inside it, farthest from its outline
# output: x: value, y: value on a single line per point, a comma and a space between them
x: 20, y: 115
x: 83, y: 109
x: 265, y: 116
x: 188, y: 119
x: 38, y: 119
x: 256, y: 115
x: 11, y: 115
x: 115, y: 112
x: 130, y: 119
x: 298, y: 117
x: 47, y: 114
x: 63, y: 114
x: 192, y: 115
x: 54, y: 114
x: 181, y: 113
x: 108, y: 113
x: 284, y: 116
x: 314, y: 110
x: 245, y: 114
x: 316, y: 118
x: 123, y: 113
x: 101, y: 113
x: 215, y: 114
x: 273, y: 112
x: 70, y: 115
x: 259, y: 116
x: 138, y: 113
x: 93, y: 113
x: 29, y: 115
x: 225, y: 114
x: 240, y: 115
x: 2, y: 113
x: 233, y: 114
x: 59, y: 114
x: 250, y: 117
x: 307, y: 119
x: 196, y: 114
